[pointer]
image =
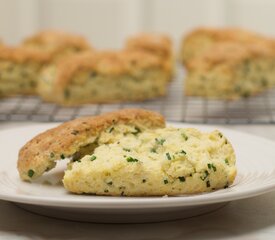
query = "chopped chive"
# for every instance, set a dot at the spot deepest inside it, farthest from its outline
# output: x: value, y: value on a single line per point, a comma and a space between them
x: 126, y: 150
x: 165, y: 181
x: 153, y: 150
x: 110, y: 183
x: 206, y: 173
x: 182, y: 179
x: 183, y: 152
x: 52, y: 155
x: 208, y: 184
x: 75, y: 132
x: 106, y: 190
x: 111, y: 129
x: 226, y: 161
x: 185, y: 137
x: 160, y: 141
x: 168, y: 156
x: 30, y: 173
x: 93, y: 157
x: 93, y: 74
x: 212, y: 166
x: 137, y: 130
x: 62, y: 156
x: 144, y: 180
x: 220, y: 135
x: 226, y: 185
x: 130, y: 159
x: 66, y: 93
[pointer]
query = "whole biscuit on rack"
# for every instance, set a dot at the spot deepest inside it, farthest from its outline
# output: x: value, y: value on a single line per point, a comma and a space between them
x: 77, y: 137
x: 231, y: 71
x: 104, y: 77
x: 20, y: 69
x: 157, y: 44
x: 57, y: 44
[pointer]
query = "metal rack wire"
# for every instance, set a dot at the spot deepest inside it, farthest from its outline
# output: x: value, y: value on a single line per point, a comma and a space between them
x: 175, y: 107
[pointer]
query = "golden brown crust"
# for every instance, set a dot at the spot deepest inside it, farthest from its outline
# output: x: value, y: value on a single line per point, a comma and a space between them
x: 229, y: 53
x: 155, y: 43
x: 40, y: 153
x: 224, y: 34
x: 58, y: 39
x: 21, y: 55
x: 55, y: 42
x: 105, y: 63
x: 201, y: 40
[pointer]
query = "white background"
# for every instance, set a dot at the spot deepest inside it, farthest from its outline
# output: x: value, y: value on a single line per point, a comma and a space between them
x: 106, y: 23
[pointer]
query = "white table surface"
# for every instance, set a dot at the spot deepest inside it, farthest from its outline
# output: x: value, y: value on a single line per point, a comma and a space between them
x: 249, y: 219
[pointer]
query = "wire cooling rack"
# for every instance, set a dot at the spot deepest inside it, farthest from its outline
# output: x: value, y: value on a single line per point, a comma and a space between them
x: 175, y: 107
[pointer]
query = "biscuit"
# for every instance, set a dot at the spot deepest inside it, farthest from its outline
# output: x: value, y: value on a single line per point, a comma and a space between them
x: 76, y: 137
x: 157, y: 44
x: 166, y: 161
x: 201, y: 39
x: 57, y: 44
x: 231, y: 71
x: 19, y: 70
x: 104, y: 77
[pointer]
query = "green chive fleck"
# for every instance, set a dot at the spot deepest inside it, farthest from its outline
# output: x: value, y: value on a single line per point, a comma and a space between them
x: 206, y: 173
x: 126, y: 150
x: 220, y: 135
x: 185, y: 137
x: 182, y: 179
x: 137, y: 130
x: 165, y: 181
x: 30, y: 173
x: 226, y: 185
x: 111, y: 129
x: 62, y: 156
x: 52, y: 155
x: 130, y: 159
x: 110, y: 183
x: 153, y: 150
x: 160, y: 141
x: 212, y: 166
x: 144, y: 180
x: 75, y: 132
x: 183, y: 152
x: 106, y: 190
x: 168, y: 156
x: 207, y: 184
x: 93, y: 157
x: 226, y: 161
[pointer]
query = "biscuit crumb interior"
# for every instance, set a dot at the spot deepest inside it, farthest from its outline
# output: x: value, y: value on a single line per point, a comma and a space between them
x: 163, y: 161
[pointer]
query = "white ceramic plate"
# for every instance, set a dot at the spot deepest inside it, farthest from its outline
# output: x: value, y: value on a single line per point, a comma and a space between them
x: 256, y: 175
